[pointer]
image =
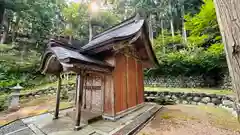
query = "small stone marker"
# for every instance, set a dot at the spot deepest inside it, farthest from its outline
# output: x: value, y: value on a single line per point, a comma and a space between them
x: 14, y: 98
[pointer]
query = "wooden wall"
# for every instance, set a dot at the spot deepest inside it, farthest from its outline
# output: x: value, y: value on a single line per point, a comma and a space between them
x: 140, y: 83
x: 108, y: 96
x: 131, y: 82
x: 128, y: 82
x: 120, y: 81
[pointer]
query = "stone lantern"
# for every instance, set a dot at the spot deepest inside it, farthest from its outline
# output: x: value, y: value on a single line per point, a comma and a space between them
x: 14, y: 98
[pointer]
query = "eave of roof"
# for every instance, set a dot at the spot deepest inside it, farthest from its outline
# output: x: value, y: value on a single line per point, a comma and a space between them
x: 67, y: 55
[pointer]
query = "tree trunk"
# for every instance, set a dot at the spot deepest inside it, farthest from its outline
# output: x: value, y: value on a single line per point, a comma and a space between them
x: 172, y: 27
x: 2, y: 9
x: 15, y: 28
x: 228, y: 15
x: 171, y: 20
x: 163, y: 42
x: 150, y: 28
x: 183, y: 26
x: 5, y: 23
x: 90, y: 31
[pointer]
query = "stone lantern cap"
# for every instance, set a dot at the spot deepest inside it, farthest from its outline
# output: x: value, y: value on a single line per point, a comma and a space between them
x: 17, y: 87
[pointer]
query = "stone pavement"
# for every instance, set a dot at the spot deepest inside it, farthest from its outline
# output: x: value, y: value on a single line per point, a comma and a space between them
x: 44, y: 125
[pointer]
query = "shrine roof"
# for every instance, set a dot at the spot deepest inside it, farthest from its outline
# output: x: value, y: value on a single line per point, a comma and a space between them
x: 77, y: 53
x: 121, y: 31
x: 69, y: 56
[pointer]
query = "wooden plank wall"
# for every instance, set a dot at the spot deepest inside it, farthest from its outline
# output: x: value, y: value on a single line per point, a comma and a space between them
x: 131, y: 82
x: 140, y: 83
x: 120, y: 83
x: 128, y: 82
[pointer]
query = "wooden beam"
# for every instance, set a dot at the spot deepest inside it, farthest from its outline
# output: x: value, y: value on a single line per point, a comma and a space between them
x: 95, y: 68
x: 58, y: 98
x: 80, y: 78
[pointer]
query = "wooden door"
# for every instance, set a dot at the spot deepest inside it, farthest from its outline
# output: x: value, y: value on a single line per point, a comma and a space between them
x: 92, y: 95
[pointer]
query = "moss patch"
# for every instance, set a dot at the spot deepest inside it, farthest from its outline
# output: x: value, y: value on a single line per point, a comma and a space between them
x: 177, y: 114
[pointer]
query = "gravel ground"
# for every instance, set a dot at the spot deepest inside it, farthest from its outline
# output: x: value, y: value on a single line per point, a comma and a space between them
x: 192, y: 120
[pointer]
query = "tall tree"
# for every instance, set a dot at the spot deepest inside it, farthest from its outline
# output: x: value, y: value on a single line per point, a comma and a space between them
x: 228, y: 15
x: 2, y: 8
x: 5, y: 24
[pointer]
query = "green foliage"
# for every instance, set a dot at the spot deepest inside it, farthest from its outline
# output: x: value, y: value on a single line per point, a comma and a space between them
x: 17, y: 66
x: 176, y: 58
x: 203, y: 26
x: 205, y: 22
x: 202, y: 54
x: 3, y: 99
x: 33, y: 22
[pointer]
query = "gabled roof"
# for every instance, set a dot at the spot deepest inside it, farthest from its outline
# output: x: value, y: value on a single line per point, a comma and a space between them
x: 120, y: 31
x: 124, y: 31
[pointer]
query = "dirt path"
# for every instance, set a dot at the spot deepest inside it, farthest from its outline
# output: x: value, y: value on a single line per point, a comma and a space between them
x: 192, y: 120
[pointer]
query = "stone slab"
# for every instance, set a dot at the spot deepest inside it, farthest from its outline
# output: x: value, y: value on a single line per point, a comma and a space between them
x: 24, y: 131
x: 35, y: 129
x: 11, y: 127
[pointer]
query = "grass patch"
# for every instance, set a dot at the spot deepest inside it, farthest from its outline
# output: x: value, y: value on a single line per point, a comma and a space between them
x: 176, y: 114
x: 4, y: 47
x: 166, y: 116
x: 46, y: 100
x: 38, y: 101
x: 64, y: 105
x: 191, y: 90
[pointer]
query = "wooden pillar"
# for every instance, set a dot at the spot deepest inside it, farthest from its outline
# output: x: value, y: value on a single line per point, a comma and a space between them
x: 76, y: 91
x: 58, y: 97
x: 85, y: 93
x: 103, y: 91
x: 80, y: 82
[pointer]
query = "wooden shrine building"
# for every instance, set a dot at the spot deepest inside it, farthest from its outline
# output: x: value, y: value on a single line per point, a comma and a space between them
x: 109, y: 68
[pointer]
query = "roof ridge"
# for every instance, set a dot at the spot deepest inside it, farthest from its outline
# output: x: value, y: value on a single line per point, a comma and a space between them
x: 119, y: 25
